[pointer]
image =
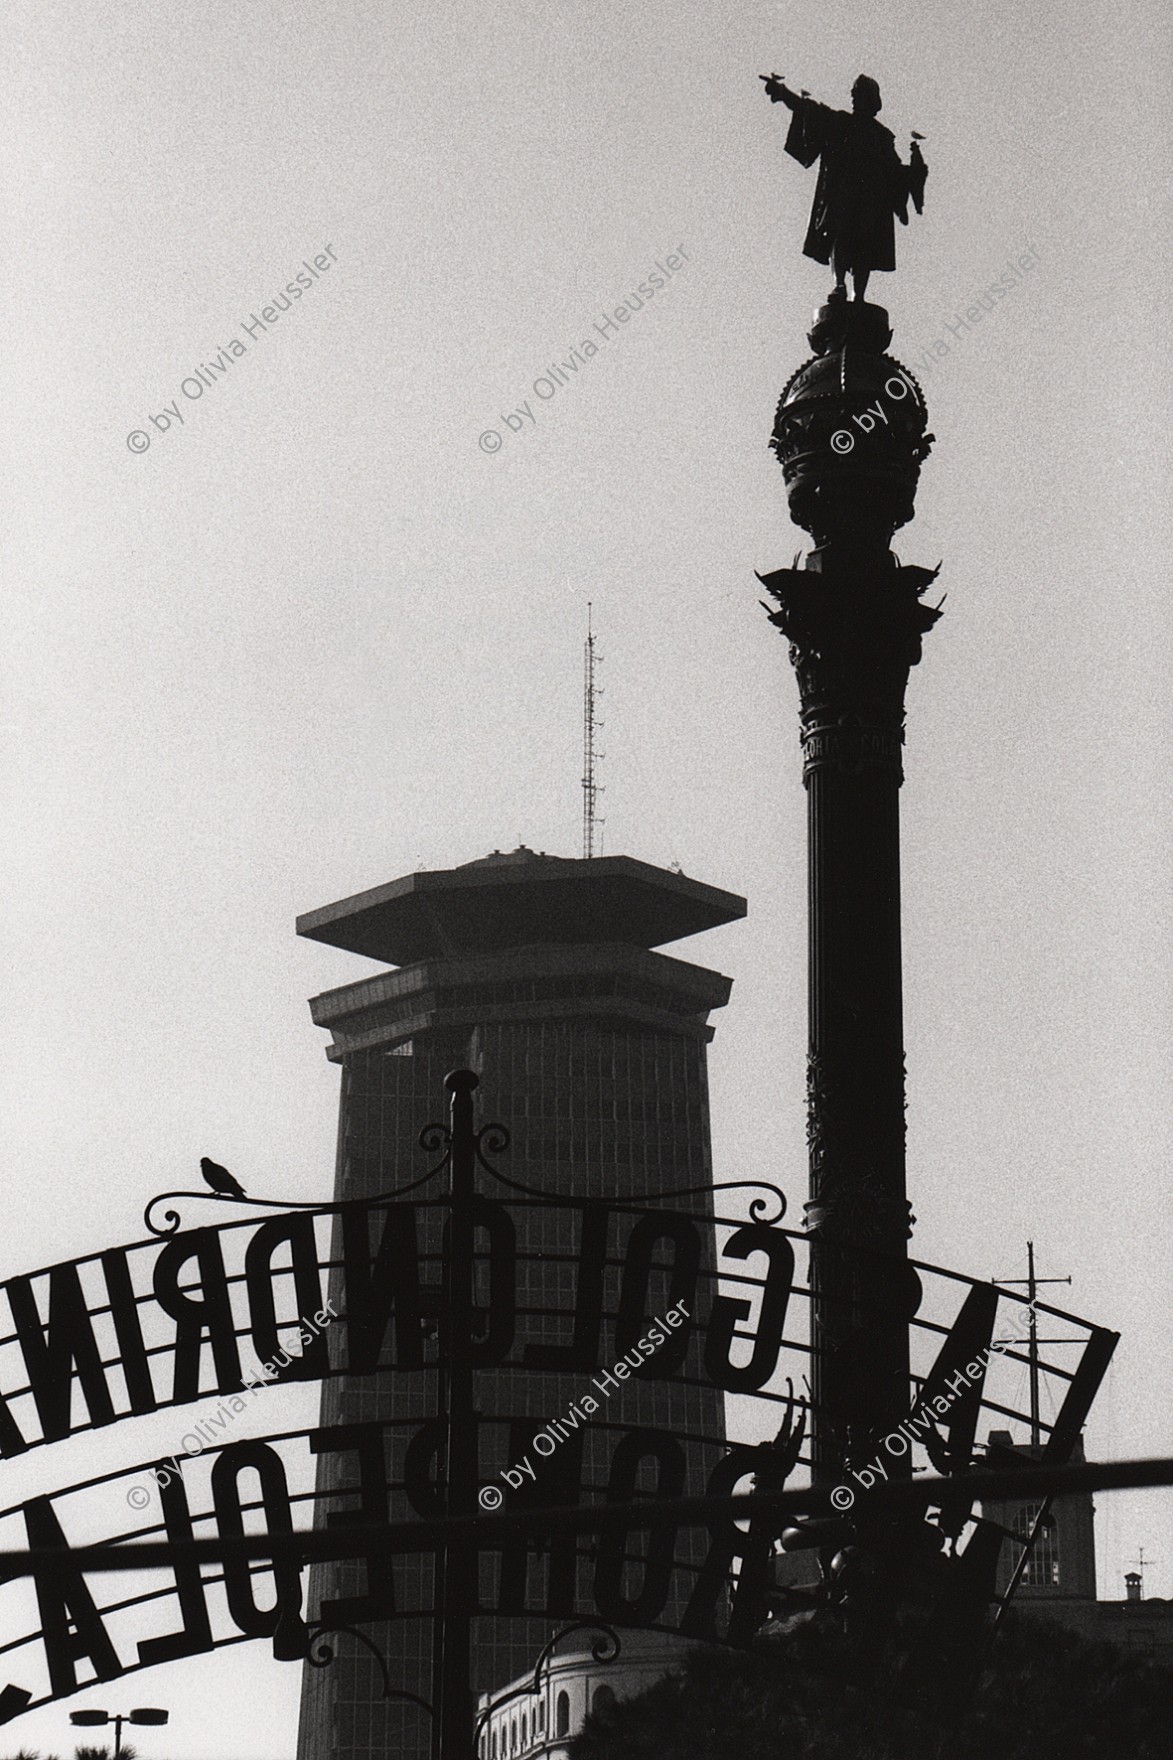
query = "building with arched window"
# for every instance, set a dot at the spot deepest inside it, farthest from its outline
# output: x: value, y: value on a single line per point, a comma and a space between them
x: 571, y: 1686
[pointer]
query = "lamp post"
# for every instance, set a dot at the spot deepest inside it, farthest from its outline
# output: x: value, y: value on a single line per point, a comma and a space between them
x: 95, y: 1719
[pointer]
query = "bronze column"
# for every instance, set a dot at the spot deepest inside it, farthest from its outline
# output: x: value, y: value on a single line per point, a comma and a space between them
x: 850, y: 434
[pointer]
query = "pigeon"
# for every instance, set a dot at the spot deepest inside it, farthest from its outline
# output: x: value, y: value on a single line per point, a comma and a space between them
x: 220, y: 1179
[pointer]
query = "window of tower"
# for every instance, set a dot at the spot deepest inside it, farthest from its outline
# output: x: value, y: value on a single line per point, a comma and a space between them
x: 1042, y: 1567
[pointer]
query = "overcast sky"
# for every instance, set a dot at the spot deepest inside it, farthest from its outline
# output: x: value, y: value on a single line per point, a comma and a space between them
x: 316, y: 636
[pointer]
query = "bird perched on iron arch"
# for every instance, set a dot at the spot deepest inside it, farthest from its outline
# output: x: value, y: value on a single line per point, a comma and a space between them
x: 220, y: 1180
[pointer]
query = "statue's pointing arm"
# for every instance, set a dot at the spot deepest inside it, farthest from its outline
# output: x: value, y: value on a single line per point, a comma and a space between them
x: 777, y: 91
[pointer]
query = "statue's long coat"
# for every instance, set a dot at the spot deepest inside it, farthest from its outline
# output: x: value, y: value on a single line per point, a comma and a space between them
x: 862, y: 184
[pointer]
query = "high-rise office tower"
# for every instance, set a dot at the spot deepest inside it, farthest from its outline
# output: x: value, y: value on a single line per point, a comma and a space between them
x: 539, y: 973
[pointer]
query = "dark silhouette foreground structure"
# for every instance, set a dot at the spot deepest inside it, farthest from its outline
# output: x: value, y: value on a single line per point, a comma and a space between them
x: 1047, y: 1695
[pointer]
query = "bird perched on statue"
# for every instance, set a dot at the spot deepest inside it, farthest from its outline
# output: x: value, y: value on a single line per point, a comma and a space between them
x: 918, y: 171
x: 220, y: 1179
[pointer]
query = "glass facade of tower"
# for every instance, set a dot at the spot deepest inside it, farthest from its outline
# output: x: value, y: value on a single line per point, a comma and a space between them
x: 593, y: 1055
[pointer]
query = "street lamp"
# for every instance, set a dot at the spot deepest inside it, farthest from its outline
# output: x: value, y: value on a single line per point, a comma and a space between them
x: 92, y: 1719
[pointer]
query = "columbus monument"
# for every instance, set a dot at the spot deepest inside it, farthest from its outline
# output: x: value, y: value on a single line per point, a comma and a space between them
x: 862, y: 184
x: 851, y: 434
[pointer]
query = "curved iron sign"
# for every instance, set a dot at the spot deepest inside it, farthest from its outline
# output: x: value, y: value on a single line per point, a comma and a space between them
x: 518, y: 1392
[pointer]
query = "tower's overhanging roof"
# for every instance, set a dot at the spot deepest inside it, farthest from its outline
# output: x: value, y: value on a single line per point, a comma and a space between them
x: 520, y: 900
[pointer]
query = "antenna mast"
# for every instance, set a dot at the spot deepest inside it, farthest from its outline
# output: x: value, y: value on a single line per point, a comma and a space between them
x: 1034, y: 1341
x: 591, y: 789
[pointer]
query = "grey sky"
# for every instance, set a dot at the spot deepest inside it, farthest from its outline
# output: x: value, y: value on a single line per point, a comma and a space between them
x: 315, y: 637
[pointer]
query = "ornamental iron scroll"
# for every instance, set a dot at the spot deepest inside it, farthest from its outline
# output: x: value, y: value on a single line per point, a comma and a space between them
x: 171, y: 1221
x: 295, y: 1641
x: 494, y: 1139
x: 432, y: 1138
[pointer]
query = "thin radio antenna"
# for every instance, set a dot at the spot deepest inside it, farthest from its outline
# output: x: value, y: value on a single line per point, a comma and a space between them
x: 591, y: 787
x: 1034, y: 1341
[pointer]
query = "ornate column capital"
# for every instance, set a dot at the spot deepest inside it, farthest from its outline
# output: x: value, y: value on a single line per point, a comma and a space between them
x: 855, y: 633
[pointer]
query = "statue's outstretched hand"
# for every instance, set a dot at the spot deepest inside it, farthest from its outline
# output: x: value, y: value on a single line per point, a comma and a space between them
x: 773, y: 83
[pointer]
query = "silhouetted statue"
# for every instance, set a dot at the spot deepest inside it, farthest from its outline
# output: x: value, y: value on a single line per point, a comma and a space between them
x: 862, y: 180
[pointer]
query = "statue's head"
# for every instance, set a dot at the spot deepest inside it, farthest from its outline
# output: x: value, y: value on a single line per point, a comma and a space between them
x: 865, y: 96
